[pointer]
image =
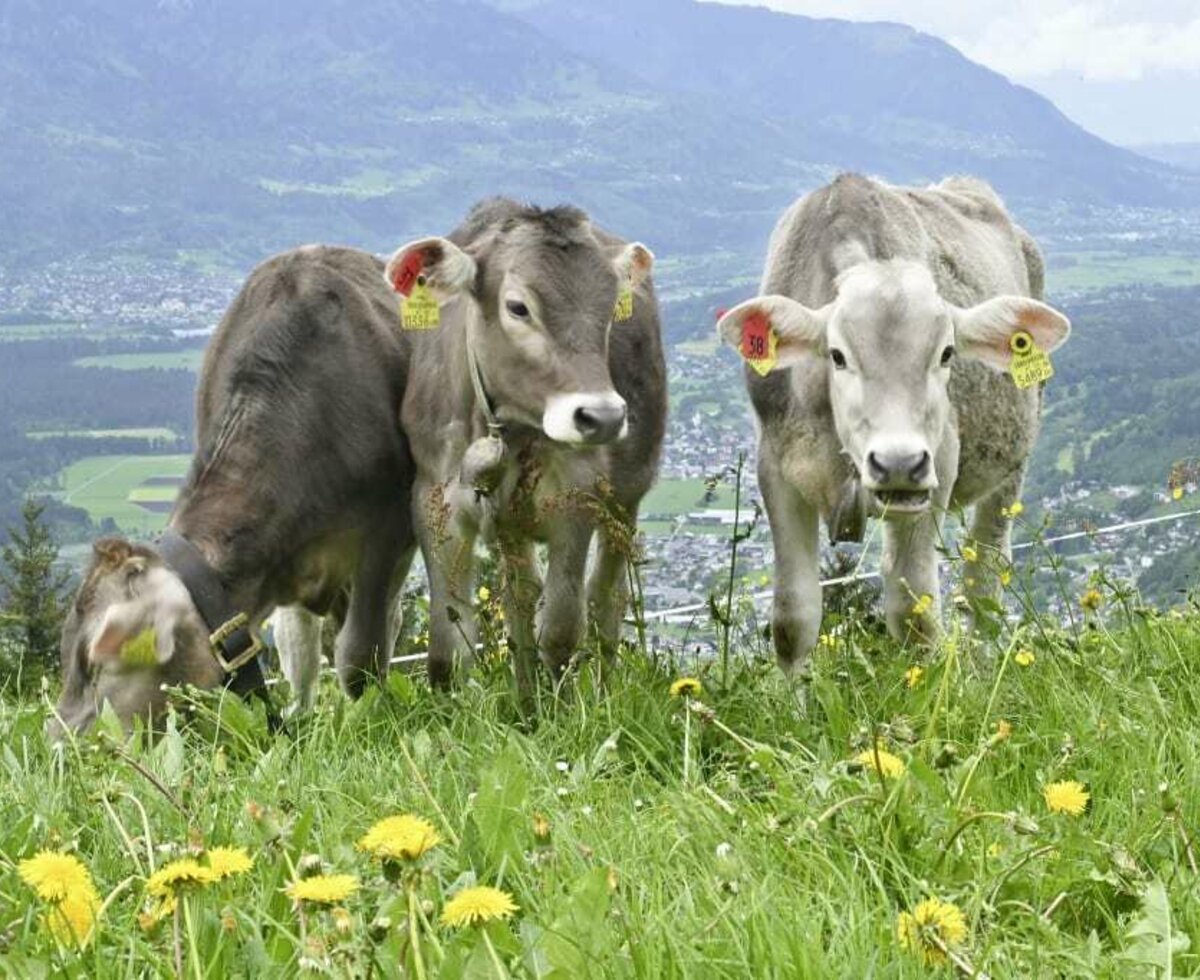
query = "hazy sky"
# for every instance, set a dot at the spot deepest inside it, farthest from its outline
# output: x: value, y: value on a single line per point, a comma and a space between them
x: 1128, y: 70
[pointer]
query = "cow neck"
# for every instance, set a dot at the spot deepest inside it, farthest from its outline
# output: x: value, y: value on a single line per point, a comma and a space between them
x: 494, y: 426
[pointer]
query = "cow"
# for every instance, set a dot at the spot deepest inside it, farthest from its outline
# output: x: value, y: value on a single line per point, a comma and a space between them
x: 877, y: 360
x: 535, y: 410
x: 298, y: 496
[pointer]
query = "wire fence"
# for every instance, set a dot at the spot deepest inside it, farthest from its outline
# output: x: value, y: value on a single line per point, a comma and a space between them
x: 665, y: 615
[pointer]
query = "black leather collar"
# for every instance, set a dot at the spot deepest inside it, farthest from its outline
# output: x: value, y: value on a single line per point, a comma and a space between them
x: 232, y: 641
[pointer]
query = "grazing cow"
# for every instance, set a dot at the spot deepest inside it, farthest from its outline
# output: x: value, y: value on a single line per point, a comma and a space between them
x: 536, y: 412
x: 299, y: 490
x: 877, y: 359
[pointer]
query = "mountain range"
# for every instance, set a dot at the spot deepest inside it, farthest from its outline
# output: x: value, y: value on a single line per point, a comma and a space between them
x: 244, y: 127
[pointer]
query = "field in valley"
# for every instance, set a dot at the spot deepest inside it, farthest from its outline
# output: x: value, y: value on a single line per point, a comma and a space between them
x: 135, y: 492
x: 749, y: 829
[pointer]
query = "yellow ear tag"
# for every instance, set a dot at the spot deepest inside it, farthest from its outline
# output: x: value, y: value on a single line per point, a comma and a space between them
x: 141, y: 651
x: 1030, y: 365
x: 624, y: 309
x: 419, y: 310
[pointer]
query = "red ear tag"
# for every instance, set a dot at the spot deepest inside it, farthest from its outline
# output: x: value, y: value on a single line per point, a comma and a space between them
x: 406, y: 275
x: 759, y: 342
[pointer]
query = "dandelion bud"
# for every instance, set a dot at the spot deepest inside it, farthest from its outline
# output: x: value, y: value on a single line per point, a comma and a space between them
x: 308, y: 865
x: 1024, y: 825
x: 379, y: 928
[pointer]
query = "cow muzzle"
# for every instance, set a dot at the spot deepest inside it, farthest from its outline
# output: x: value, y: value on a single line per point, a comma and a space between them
x: 588, y: 419
x: 899, y: 478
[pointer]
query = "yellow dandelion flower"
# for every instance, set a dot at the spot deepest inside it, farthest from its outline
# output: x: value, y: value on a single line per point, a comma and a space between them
x: 912, y: 676
x: 687, y: 687
x: 1024, y: 658
x: 1006, y: 578
x: 930, y: 923
x: 969, y: 553
x: 228, y: 861
x: 72, y: 920
x: 878, y: 760
x: 55, y: 876
x: 1068, y: 796
x: 402, y: 837
x: 323, y: 889
x: 484, y: 593
x: 923, y: 605
x: 1177, y: 493
x: 481, y: 903
x: 1015, y: 509
x: 1003, y: 729
x: 1091, y: 600
x: 184, y: 873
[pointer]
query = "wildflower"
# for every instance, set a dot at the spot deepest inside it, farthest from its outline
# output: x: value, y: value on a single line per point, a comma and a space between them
x: 912, y: 676
x: 72, y: 920
x: 225, y: 862
x: 484, y: 593
x: 882, y: 762
x: 1091, y: 600
x: 1015, y: 509
x: 1006, y: 578
x: 1003, y: 730
x: 995, y: 850
x: 1068, y: 796
x: 184, y: 873
x: 969, y: 553
x: 931, y: 923
x: 401, y: 837
x: 1177, y: 493
x: 55, y: 876
x: 482, y: 903
x: 923, y: 605
x: 541, y: 826
x: 687, y: 687
x: 1024, y: 658
x: 323, y: 889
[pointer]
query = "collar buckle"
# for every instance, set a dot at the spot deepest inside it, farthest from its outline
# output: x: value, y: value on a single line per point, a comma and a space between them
x: 225, y: 632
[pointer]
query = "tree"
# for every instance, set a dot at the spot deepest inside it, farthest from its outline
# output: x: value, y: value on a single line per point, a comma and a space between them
x: 33, y: 591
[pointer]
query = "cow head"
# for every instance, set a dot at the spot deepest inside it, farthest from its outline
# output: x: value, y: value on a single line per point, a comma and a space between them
x: 131, y: 630
x: 541, y: 289
x: 889, y: 343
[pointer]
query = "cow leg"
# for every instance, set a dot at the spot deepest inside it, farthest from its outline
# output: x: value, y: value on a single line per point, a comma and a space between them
x: 298, y: 638
x: 608, y: 586
x: 991, y: 530
x: 522, y: 587
x: 450, y: 568
x: 796, y: 617
x: 364, y: 644
x: 562, y: 617
x: 910, y: 572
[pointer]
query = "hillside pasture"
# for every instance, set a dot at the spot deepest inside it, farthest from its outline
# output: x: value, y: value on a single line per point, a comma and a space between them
x: 111, y: 487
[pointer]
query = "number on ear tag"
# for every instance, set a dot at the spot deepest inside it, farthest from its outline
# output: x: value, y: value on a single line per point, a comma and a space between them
x: 624, y: 310
x: 759, y: 343
x: 419, y: 310
x: 1030, y: 365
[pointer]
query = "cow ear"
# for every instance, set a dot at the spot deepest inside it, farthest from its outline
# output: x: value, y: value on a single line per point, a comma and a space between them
x: 141, y: 630
x: 634, y: 263
x: 985, y: 332
x: 444, y: 267
x: 799, y: 332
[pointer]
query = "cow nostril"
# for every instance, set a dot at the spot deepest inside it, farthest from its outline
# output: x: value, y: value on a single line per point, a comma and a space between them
x: 599, y: 422
x: 876, y: 469
x: 920, y: 470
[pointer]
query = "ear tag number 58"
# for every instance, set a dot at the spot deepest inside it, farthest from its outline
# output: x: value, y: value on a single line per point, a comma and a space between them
x: 1030, y: 364
x: 759, y: 343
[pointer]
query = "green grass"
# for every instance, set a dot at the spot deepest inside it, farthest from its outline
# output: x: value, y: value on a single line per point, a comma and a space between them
x: 159, y: 432
x: 684, y: 496
x: 1083, y: 271
x: 736, y: 840
x: 187, y: 360
x: 107, y: 486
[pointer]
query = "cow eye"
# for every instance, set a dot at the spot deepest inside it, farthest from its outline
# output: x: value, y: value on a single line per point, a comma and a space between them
x: 947, y: 355
x: 517, y: 309
x: 838, y: 358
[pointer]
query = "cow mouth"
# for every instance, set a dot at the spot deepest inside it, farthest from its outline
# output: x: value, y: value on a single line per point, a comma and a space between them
x: 901, y: 501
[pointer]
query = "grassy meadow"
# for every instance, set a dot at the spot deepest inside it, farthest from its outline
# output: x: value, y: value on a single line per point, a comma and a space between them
x: 749, y: 828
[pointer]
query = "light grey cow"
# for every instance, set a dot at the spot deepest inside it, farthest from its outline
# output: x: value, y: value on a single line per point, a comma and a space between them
x: 533, y: 414
x: 893, y: 315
